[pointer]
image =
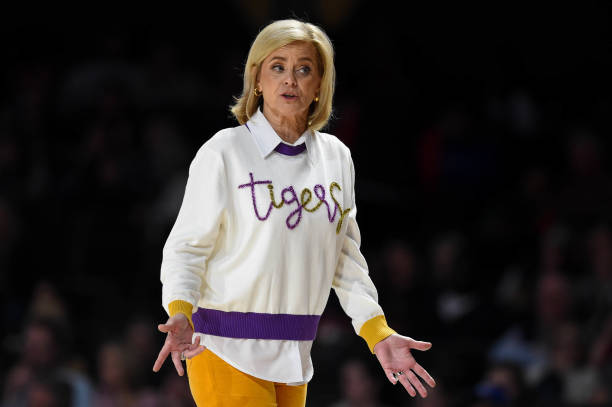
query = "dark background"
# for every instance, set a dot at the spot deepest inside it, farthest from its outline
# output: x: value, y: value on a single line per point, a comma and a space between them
x: 480, y: 138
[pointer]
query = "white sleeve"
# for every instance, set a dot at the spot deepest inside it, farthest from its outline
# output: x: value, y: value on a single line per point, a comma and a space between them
x: 352, y: 283
x: 195, y: 231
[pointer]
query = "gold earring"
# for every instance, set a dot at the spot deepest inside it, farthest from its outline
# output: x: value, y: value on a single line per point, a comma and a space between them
x: 257, y: 92
x: 316, y: 99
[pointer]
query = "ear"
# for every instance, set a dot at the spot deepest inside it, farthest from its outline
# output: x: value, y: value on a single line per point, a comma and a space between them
x: 256, y: 71
x: 255, y: 74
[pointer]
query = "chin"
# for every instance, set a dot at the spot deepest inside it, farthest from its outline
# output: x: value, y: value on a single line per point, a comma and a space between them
x: 291, y: 110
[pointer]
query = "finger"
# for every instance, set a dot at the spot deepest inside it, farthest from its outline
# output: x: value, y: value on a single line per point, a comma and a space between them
x: 416, y: 383
x: 418, y: 369
x: 406, y: 383
x: 420, y: 345
x: 163, y: 354
x: 389, y: 374
x: 195, y: 351
x: 196, y: 340
x: 191, y: 347
x: 195, y: 348
x: 165, y: 328
x: 176, y: 358
x: 170, y: 325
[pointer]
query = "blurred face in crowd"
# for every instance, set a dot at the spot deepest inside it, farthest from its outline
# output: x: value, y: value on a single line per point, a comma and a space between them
x: 400, y: 264
x: 289, y: 79
x: 357, y: 385
x: 40, y: 349
x: 112, y: 366
x: 566, y: 349
x: 506, y: 379
x: 584, y: 154
x: 41, y: 396
x: 552, y: 298
x: 600, y: 253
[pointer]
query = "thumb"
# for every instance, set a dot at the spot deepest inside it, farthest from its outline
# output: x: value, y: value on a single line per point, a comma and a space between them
x: 167, y: 327
x: 420, y: 345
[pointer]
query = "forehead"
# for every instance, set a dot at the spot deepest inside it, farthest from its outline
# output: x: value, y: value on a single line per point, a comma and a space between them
x: 297, y: 50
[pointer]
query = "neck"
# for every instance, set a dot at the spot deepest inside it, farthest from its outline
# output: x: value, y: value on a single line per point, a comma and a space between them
x: 288, y: 128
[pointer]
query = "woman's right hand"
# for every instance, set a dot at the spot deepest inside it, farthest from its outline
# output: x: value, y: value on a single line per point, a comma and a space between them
x: 178, y: 341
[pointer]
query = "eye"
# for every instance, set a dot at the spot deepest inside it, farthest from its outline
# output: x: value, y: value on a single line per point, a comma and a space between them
x: 304, y: 70
x: 277, y: 68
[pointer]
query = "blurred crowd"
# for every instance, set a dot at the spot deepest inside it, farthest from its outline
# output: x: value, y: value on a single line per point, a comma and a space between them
x: 48, y: 368
x: 484, y: 207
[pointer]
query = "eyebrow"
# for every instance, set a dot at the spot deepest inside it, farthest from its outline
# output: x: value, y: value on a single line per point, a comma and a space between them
x: 285, y: 59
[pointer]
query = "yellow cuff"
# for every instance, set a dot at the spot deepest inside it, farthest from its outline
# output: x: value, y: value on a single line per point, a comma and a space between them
x: 375, y: 330
x: 183, y: 307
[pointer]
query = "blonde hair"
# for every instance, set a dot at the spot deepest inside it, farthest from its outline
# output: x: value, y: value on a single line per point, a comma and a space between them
x: 272, y: 37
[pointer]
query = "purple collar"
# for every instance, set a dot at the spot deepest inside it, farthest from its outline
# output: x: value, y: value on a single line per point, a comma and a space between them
x: 286, y: 149
x: 281, y: 147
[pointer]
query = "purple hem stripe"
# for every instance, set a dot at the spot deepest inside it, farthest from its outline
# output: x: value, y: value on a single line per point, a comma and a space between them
x: 253, y: 325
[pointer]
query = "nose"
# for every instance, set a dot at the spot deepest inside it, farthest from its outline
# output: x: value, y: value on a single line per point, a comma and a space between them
x: 290, y: 78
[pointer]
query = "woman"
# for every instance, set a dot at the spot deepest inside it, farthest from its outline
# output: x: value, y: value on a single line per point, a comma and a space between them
x: 266, y: 228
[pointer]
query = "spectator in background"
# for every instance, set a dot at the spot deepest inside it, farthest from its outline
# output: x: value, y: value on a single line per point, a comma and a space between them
x: 407, y: 288
x: 570, y: 363
x: 358, y: 385
x: 527, y: 344
x: 437, y: 398
x: 140, y: 345
x: 10, y: 229
x: 49, y: 392
x: 42, y: 368
x: 586, y: 194
x: 174, y: 392
x: 123, y: 380
x: 47, y: 303
x: 115, y: 382
x: 503, y: 385
x: 553, y: 306
x: 456, y: 298
x: 594, y: 287
x: 165, y: 154
x: 600, y: 357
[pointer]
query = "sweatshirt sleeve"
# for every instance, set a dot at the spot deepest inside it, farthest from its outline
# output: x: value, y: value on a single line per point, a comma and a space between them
x: 193, y: 236
x: 353, y: 286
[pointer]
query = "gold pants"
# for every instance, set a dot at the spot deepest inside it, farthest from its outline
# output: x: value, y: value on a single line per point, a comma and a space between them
x: 214, y: 383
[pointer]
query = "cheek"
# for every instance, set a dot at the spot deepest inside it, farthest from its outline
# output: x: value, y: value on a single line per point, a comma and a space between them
x: 267, y: 81
x: 276, y: 85
x: 310, y: 85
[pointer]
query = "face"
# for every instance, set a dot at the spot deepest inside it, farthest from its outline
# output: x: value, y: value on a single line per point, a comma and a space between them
x: 290, y: 79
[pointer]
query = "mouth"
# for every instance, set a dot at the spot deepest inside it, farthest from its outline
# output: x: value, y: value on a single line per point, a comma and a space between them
x: 289, y: 96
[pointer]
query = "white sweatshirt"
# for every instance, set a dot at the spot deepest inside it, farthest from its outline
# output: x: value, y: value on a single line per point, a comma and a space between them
x: 263, y: 236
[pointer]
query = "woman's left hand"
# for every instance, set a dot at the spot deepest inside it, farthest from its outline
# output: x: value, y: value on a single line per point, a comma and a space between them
x: 394, y: 356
